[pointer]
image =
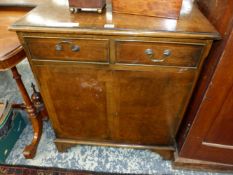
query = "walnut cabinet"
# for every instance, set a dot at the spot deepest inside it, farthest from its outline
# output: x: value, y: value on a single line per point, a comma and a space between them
x: 120, y: 81
x: 112, y: 91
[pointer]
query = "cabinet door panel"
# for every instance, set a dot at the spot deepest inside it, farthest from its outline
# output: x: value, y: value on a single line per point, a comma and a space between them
x: 220, y: 133
x: 76, y: 100
x: 150, y: 105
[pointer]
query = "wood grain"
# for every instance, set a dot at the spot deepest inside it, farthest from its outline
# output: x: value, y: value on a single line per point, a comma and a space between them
x: 56, y: 18
x: 210, y: 112
x: 87, y: 4
x: 95, y: 50
x: 11, y: 51
x: 118, y: 102
x: 181, y: 54
x: 158, y: 8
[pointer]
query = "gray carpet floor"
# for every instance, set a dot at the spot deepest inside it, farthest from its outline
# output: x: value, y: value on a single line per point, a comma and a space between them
x: 101, y: 159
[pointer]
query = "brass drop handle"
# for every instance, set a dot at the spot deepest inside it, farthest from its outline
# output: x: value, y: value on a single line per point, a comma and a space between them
x: 150, y: 53
x: 73, y: 47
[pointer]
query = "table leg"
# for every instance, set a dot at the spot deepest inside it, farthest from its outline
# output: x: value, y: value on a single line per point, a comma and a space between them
x: 39, y: 103
x: 30, y: 150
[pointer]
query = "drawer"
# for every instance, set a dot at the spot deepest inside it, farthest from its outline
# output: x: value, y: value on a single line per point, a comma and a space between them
x: 66, y: 49
x: 158, y: 53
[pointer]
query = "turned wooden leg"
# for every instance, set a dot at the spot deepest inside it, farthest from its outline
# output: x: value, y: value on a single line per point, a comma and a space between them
x: 18, y: 106
x: 38, y: 102
x: 30, y: 150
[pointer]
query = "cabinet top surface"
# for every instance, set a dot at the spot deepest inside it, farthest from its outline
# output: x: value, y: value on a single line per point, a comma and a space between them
x: 53, y: 16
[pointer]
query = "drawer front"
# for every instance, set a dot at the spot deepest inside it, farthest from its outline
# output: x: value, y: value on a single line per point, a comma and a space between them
x: 87, y: 50
x: 158, y: 53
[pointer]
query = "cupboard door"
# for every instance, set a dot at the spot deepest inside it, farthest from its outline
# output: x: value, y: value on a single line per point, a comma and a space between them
x: 210, y: 135
x: 220, y: 134
x: 150, y: 104
x: 76, y: 100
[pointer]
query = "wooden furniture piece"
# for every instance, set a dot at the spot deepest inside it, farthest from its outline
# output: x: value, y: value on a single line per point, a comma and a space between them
x: 158, y: 8
x: 25, y: 5
x: 115, y: 79
x: 96, y: 5
x: 11, y: 53
x: 209, y: 142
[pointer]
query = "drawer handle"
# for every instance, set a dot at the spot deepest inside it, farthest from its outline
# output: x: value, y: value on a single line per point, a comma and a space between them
x: 150, y: 53
x: 73, y: 47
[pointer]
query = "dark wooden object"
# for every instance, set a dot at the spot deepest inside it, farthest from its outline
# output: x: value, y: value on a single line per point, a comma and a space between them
x: 11, y: 53
x: 39, y: 103
x: 125, y: 86
x: 158, y: 8
x: 76, y: 5
x: 210, y: 115
x: 30, y: 150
